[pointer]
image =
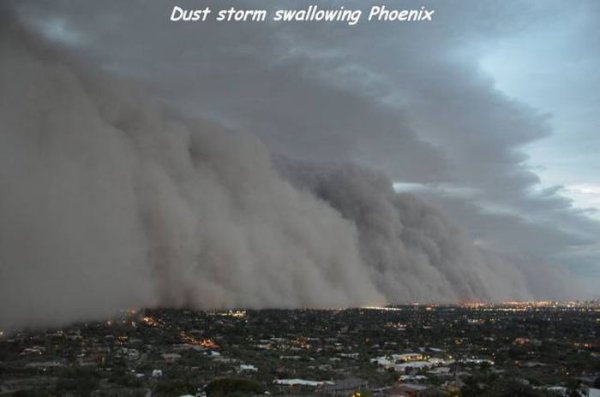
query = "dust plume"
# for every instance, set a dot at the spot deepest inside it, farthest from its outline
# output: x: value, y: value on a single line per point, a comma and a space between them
x: 107, y: 203
x: 110, y: 202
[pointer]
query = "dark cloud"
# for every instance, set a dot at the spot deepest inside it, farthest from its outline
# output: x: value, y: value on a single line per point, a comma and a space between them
x: 407, y: 100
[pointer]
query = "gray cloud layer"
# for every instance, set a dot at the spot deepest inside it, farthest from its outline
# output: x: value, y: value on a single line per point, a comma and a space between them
x: 111, y: 202
x: 407, y: 99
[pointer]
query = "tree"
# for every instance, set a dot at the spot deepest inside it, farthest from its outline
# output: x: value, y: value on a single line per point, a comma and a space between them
x: 230, y: 387
x: 576, y: 389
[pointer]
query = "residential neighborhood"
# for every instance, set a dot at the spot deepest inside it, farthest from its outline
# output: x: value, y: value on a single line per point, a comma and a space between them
x: 545, y: 349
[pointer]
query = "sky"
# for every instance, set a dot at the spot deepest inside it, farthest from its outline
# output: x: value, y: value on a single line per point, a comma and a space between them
x: 488, y: 113
x: 550, y: 65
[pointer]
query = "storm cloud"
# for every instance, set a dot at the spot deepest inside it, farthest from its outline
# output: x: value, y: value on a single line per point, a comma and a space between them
x: 114, y: 198
x: 109, y: 204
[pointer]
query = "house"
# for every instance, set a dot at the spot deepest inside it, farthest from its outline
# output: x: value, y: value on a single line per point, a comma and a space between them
x: 157, y: 373
x: 301, y: 382
x: 345, y: 386
x: 247, y: 368
x: 171, y: 357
